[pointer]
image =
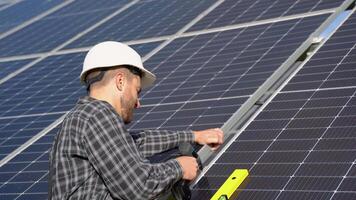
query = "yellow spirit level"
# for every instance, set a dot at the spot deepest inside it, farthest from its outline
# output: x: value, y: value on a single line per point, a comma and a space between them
x: 231, y: 184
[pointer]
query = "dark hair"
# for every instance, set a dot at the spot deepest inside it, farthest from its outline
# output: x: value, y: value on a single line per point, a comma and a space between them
x: 134, y: 70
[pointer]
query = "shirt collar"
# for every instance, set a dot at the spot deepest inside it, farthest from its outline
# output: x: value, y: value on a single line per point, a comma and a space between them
x: 86, y: 99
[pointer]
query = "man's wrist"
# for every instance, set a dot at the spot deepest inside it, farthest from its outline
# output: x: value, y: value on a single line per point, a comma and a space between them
x: 186, y: 136
x: 177, y: 168
x: 195, y: 136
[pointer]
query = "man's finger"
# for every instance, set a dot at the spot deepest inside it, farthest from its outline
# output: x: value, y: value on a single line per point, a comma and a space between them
x: 218, y: 130
x: 215, y: 147
x: 213, y: 140
x: 220, y: 140
x: 221, y: 137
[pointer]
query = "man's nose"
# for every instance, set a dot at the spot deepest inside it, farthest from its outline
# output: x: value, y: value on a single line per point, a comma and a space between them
x: 138, y: 104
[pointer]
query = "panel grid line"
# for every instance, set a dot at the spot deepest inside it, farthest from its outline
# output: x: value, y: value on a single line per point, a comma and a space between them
x: 10, y: 4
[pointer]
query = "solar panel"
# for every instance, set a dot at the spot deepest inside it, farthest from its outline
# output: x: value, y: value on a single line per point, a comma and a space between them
x: 49, y: 32
x: 302, y: 145
x: 225, y: 63
x: 200, y: 114
x: 22, y: 11
x: 11, y: 66
x: 18, y: 130
x: 145, y: 19
x: 26, y: 176
x: 242, y: 11
x: 203, y: 78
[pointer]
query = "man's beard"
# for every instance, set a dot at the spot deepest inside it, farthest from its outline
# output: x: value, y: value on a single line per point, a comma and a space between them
x: 127, y: 110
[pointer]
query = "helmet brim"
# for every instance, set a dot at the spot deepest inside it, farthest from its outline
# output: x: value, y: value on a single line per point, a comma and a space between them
x: 148, y: 79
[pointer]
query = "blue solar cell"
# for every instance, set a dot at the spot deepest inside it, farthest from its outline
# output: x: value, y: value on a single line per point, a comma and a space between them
x: 244, y: 11
x: 319, y: 170
x: 344, y: 195
x: 11, y: 66
x: 40, y: 187
x: 294, y: 195
x: 270, y: 169
x: 145, y: 19
x: 14, y: 188
x: 22, y: 11
x: 27, y: 176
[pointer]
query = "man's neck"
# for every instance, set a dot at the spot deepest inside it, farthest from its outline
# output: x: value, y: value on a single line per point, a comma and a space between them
x: 100, y: 95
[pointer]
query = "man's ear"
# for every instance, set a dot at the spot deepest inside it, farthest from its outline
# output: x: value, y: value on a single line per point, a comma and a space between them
x: 120, y: 81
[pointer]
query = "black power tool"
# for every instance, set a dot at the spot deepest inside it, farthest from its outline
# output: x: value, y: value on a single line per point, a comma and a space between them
x: 181, y: 190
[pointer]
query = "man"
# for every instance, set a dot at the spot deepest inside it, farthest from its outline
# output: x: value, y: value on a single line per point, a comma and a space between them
x: 95, y: 157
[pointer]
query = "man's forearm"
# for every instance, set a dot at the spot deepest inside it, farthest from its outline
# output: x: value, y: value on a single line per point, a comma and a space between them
x: 150, y: 142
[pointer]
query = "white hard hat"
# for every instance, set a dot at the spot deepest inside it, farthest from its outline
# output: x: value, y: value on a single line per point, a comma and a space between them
x: 110, y: 54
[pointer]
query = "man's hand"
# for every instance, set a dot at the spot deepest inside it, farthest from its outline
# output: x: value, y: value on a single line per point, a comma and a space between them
x: 212, y: 137
x: 189, y: 166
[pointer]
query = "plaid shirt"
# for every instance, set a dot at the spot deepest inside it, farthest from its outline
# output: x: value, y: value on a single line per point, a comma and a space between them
x: 95, y: 157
